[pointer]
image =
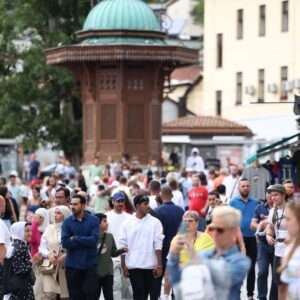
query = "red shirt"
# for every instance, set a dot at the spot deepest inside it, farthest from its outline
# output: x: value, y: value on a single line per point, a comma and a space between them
x: 198, y: 197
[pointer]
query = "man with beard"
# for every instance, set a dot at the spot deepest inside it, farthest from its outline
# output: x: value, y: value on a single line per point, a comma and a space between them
x: 115, y: 219
x: 80, y: 234
x: 247, y: 205
x: 289, y: 190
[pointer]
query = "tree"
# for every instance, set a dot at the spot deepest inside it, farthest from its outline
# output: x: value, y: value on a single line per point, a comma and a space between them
x: 37, y: 102
x: 198, y: 12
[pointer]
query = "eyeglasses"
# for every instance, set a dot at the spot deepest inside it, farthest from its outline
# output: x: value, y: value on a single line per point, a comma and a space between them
x: 218, y: 230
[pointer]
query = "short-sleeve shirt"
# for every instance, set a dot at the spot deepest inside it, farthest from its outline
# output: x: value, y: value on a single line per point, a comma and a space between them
x: 247, y: 209
x: 261, y: 209
x: 198, y: 197
x: 280, y: 230
x: 291, y: 275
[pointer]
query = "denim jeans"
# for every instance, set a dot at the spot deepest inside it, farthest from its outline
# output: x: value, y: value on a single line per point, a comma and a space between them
x: 265, y: 256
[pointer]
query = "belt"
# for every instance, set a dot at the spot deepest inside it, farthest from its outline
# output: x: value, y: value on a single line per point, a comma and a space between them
x: 280, y: 240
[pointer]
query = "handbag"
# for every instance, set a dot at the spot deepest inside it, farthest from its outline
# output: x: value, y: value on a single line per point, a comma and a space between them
x: 46, y: 268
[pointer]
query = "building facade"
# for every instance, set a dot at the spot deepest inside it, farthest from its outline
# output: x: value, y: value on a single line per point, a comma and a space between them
x: 252, y: 64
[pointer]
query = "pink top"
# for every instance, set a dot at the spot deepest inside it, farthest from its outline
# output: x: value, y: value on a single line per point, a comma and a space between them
x: 35, y: 238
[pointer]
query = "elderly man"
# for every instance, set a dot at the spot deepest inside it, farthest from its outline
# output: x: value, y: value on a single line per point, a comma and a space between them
x: 227, y: 265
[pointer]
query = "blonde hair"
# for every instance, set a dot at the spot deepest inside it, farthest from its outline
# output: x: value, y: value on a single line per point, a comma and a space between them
x: 230, y: 214
x: 191, y: 214
x: 295, y: 208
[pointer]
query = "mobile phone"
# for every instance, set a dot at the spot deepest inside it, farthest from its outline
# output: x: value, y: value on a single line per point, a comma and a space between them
x: 182, y: 228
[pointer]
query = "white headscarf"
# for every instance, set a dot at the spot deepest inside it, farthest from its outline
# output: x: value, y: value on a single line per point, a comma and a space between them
x: 17, y: 231
x: 45, y: 214
x: 64, y: 210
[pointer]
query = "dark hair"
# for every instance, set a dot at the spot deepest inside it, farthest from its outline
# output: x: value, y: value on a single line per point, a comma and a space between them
x: 203, y: 179
x: 101, y: 187
x: 158, y: 200
x: 287, y: 181
x: 173, y: 184
x: 65, y: 190
x: 12, y: 176
x: 128, y: 204
x: 54, y: 176
x: 101, y: 216
x: 37, y: 188
x: 135, y: 185
x: 80, y: 197
x: 3, y: 180
x: 123, y: 180
x: 221, y: 189
x: 154, y: 185
x: 214, y: 193
x: 81, y: 182
x: 244, y: 179
x: 8, y: 209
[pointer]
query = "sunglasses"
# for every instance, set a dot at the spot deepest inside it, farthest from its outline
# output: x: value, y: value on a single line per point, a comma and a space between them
x: 218, y: 230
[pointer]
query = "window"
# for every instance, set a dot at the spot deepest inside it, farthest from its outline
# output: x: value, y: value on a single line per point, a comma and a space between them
x: 219, y: 50
x: 219, y: 103
x: 239, y: 88
x: 285, y: 16
x: 262, y: 20
x: 261, y: 85
x: 240, y: 24
x: 283, y: 81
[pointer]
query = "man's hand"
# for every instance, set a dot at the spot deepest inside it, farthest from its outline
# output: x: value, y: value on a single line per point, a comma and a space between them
x: 157, y: 271
x: 271, y: 241
x: 177, y: 246
x: 125, y: 271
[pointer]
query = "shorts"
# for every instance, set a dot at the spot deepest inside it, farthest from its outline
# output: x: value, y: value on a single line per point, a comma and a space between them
x: 276, y: 275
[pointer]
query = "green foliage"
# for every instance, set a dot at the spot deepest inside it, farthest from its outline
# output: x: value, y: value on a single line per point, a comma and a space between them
x: 198, y: 12
x: 36, y: 100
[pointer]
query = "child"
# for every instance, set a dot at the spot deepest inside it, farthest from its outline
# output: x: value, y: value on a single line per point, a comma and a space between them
x: 106, y: 250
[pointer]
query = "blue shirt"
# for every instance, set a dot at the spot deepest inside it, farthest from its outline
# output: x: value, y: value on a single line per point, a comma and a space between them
x: 247, y: 209
x: 170, y: 217
x: 261, y: 209
x: 231, y: 265
x: 80, y: 238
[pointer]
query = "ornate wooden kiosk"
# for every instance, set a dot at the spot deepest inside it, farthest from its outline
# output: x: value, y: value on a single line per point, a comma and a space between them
x: 121, y: 66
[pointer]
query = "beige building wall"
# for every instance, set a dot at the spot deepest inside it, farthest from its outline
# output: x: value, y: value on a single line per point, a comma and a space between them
x: 181, y: 9
x: 248, y: 55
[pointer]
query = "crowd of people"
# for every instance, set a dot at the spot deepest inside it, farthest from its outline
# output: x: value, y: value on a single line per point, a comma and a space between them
x: 129, y: 232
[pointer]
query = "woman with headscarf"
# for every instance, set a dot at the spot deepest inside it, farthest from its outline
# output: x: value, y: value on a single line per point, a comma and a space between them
x: 39, y: 225
x: 21, y: 261
x: 55, y: 284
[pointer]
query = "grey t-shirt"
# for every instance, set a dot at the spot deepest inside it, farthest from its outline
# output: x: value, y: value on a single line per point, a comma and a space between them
x: 259, y: 179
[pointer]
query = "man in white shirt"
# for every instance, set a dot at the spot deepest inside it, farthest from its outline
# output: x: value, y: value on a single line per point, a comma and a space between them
x: 276, y: 232
x: 115, y: 218
x: 231, y: 182
x: 195, y: 161
x: 143, y: 236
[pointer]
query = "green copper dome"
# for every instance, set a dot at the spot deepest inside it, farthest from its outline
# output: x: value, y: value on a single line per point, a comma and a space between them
x: 132, y: 15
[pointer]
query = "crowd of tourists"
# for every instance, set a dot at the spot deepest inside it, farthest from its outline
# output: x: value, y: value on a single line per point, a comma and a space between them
x: 128, y: 232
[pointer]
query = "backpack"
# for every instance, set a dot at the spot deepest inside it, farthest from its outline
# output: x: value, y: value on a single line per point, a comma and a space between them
x: 196, y: 283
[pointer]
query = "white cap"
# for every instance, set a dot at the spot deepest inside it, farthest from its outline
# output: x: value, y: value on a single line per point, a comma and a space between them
x: 96, y: 179
x: 195, y: 150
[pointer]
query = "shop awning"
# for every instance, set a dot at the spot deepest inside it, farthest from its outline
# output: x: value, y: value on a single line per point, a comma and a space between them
x: 280, y: 145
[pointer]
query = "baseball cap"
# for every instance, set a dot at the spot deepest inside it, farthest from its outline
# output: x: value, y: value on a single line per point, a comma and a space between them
x: 139, y: 199
x: 118, y: 196
x: 276, y: 188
